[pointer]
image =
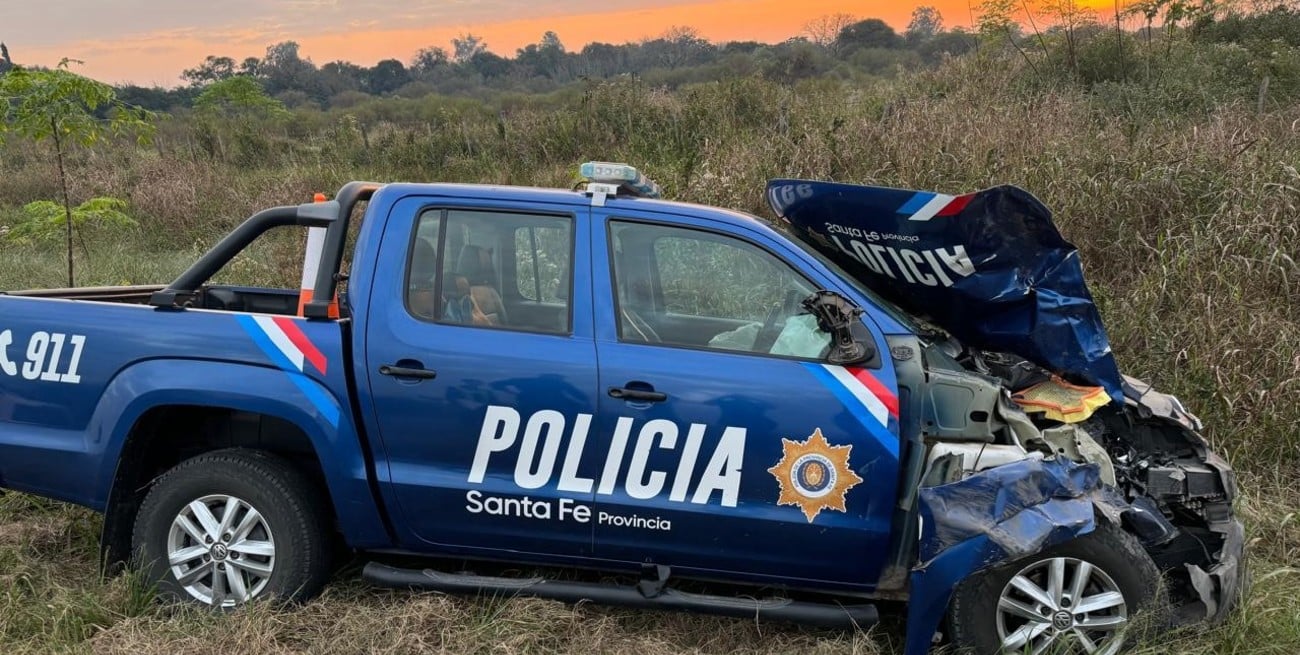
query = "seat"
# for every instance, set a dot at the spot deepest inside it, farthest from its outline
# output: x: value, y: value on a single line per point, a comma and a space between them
x: 475, y: 265
x: 424, y: 270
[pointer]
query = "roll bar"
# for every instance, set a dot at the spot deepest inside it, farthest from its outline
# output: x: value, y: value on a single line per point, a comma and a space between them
x: 334, y: 216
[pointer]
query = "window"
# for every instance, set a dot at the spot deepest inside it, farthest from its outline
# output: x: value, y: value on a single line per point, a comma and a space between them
x: 698, y: 289
x: 541, y: 272
x: 491, y: 269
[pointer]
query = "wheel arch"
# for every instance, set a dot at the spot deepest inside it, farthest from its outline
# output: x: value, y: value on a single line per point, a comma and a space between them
x: 159, y: 413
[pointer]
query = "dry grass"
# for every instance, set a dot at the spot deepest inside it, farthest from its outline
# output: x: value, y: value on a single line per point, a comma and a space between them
x: 1186, y: 221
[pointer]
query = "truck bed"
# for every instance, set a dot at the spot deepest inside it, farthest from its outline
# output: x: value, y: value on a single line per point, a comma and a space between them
x: 77, y: 366
x: 283, y: 302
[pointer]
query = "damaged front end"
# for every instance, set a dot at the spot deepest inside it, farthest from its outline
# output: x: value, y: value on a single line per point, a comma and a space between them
x: 1019, y: 426
x: 1007, y: 487
x: 1165, y: 466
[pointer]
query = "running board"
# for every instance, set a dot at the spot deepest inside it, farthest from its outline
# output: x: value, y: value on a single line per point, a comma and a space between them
x: 772, y: 609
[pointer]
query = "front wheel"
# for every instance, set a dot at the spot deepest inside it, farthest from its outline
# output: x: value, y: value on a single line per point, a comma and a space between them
x: 232, y: 526
x: 1079, y: 597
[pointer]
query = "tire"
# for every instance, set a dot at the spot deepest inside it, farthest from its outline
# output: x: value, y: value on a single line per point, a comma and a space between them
x: 275, y: 545
x: 979, y: 623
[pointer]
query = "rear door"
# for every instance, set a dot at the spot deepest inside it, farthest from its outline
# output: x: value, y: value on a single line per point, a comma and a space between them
x: 731, y: 448
x: 479, y: 359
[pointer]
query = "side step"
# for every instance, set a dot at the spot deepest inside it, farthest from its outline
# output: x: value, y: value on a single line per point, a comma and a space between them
x: 771, y: 609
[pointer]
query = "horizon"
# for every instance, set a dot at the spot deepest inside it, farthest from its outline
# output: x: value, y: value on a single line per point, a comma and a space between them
x: 151, y: 48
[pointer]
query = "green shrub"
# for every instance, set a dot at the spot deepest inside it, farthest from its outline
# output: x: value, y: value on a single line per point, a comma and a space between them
x: 45, y: 220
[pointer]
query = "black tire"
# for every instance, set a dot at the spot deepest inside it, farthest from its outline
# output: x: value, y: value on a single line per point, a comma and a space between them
x: 973, y: 613
x: 293, y: 521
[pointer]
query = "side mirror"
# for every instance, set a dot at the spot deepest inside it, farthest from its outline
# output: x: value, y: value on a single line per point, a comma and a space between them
x: 838, y: 317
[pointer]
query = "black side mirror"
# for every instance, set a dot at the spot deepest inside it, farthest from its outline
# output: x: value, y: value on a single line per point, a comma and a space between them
x: 837, y: 316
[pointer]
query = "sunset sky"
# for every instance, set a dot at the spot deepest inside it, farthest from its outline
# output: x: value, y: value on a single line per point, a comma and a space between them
x: 149, y: 42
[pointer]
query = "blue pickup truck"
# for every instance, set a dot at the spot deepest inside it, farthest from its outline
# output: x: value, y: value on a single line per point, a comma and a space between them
x: 643, y: 403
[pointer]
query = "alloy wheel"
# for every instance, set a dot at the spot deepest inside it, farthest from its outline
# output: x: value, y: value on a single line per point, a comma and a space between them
x: 1061, y: 605
x: 221, y: 550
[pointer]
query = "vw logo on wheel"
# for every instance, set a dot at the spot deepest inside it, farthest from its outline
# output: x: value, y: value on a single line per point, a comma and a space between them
x: 1063, y: 620
x: 220, y: 552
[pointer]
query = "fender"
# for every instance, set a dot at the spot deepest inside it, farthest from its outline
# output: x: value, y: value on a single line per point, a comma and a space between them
x: 995, y: 516
x: 156, y: 383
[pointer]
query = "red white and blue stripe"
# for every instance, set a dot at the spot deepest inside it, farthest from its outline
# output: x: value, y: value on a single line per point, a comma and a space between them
x: 925, y: 205
x: 283, y: 340
x: 864, y: 396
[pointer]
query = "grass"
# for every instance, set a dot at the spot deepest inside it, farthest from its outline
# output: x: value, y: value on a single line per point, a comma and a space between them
x: 1185, y: 218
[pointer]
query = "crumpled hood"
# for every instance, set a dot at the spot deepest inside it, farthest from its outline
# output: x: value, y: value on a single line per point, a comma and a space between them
x: 989, y: 267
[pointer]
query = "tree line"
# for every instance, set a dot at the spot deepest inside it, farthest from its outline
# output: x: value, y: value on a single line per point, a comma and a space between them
x: 837, y: 44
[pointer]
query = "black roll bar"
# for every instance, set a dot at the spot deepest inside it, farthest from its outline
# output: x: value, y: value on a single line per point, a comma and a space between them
x: 334, y: 216
x: 336, y: 236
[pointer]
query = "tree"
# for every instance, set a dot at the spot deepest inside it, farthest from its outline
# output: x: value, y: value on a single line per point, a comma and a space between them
x: 681, y: 46
x: 996, y: 18
x: 1070, y: 17
x: 543, y: 59
x: 489, y: 65
x: 954, y: 43
x: 233, y: 115
x: 428, y: 60
x: 239, y: 97
x: 551, y: 41
x: 284, y: 69
x: 825, y: 30
x: 793, y: 61
x: 869, y: 33
x: 69, y: 110
x: 213, y: 69
x: 6, y: 64
x: 602, y: 59
x: 341, y: 76
x: 926, y: 24
x: 466, y: 47
x: 386, y: 77
x: 250, y: 66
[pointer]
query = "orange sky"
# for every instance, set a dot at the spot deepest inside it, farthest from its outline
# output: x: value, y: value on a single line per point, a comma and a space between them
x: 157, y: 56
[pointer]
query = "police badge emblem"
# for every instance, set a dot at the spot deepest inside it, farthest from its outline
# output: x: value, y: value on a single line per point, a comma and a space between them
x: 814, y: 475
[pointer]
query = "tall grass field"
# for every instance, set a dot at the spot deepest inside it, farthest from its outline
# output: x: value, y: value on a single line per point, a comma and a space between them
x: 1183, y: 199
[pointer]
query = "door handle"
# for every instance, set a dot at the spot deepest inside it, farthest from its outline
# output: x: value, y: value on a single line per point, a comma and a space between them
x: 623, y: 393
x: 403, y: 372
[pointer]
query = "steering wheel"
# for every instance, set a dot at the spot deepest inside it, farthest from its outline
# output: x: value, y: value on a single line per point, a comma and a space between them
x: 772, y: 324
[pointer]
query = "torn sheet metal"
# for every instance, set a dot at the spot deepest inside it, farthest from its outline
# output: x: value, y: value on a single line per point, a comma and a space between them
x: 988, y: 267
x: 994, y: 516
x: 1220, y: 588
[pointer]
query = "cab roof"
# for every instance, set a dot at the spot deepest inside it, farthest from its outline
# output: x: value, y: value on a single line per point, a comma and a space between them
x: 565, y: 197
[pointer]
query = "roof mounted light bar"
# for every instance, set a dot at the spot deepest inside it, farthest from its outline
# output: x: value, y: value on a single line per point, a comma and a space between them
x: 611, y: 179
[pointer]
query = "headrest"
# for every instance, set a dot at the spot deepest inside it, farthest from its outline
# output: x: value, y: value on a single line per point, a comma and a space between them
x: 475, y: 263
x: 424, y: 263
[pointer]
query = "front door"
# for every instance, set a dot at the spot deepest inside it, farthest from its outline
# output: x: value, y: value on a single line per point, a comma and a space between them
x: 734, y: 450
x: 479, y: 359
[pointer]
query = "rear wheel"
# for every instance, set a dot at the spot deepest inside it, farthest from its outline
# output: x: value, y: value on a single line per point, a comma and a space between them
x: 1079, y: 597
x: 233, y: 526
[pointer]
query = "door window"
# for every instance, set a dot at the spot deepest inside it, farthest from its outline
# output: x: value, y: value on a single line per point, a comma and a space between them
x: 698, y: 289
x: 491, y: 269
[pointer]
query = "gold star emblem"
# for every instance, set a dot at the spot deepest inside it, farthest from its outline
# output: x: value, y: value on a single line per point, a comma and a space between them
x: 814, y: 475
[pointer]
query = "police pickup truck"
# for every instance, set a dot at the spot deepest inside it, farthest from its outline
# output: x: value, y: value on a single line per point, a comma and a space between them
x: 893, y: 399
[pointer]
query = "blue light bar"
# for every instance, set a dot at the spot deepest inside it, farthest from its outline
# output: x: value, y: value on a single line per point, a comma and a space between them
x: 627, y: 178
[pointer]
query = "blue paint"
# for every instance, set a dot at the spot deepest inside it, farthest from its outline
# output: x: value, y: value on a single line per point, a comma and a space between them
x: 997, y: 515
x: 1020, y: 288
x: 882, y: 433
x: 65, y: 440
x: 915, y: 203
